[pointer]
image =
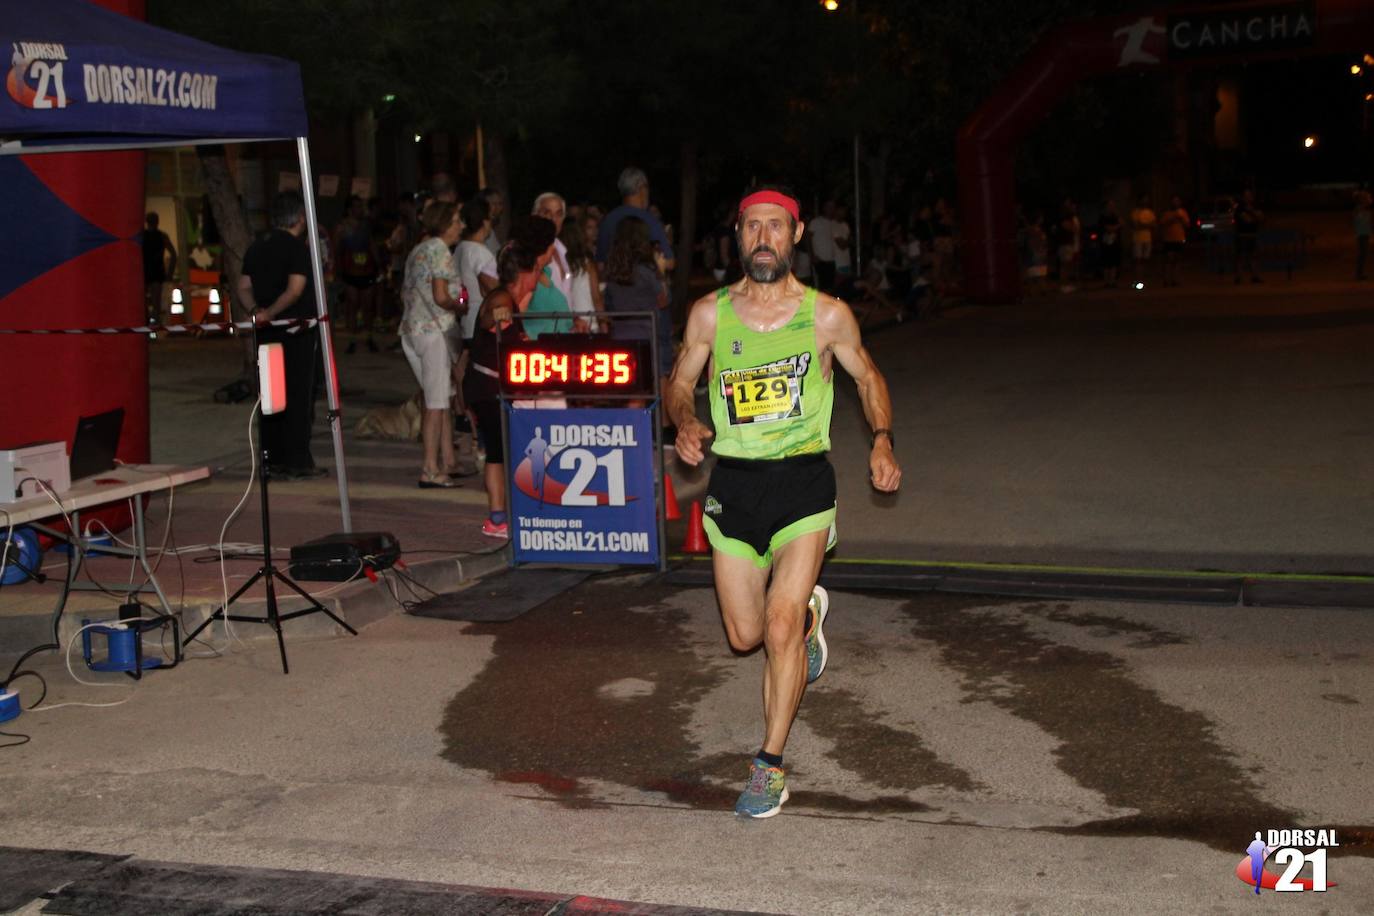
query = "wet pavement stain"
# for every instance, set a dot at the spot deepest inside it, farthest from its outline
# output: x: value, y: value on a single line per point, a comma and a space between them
x: 886, y: 756
x: 600, y: 684
x: 550, y: 709
x: 1341, y: 698
x: 1101, y: 625
x: 537, y: 713
x: 1117, y: 737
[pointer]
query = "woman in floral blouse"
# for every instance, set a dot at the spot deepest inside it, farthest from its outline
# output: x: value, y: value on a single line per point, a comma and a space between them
x: 430, y: 296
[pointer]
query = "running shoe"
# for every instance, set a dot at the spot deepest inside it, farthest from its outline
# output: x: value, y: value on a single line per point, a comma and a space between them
x: 493, y: 530
x: 766, y: 792
x: 816, y: 650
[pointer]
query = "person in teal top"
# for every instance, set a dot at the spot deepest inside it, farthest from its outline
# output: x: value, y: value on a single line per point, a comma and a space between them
x: 538, y: 234
x: 769, y: 344
x: 547, y: 300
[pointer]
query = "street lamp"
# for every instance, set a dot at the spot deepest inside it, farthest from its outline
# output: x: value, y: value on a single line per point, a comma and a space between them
x: 830, y: 5
x: 1309, y: 141
x: 1355, y: 69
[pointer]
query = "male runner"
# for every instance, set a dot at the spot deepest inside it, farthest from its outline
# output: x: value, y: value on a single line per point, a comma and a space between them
x: 770, y: 509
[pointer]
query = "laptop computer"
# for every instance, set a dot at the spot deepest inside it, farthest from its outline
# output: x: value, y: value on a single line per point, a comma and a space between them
x: 95, y: 443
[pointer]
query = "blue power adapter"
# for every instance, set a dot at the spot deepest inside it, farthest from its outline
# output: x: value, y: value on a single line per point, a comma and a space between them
x: 9, y: 705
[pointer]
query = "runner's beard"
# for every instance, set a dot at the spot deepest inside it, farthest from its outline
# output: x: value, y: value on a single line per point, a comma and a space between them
x: 769, y: 273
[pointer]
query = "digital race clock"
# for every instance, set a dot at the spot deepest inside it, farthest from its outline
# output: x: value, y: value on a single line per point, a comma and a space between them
x: 577, y: 364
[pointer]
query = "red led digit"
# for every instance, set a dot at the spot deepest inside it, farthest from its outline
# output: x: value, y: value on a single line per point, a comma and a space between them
x: 517, y: 368
x: 539, y: 368
x: 621, y: 364
x: 584, y: 368
x: 603, y: 368
x: 559, y: 366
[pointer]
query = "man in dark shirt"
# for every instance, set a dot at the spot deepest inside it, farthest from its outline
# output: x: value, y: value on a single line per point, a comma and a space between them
x: 633, y: 185
x: 276, y: 284
x: 156, y: 269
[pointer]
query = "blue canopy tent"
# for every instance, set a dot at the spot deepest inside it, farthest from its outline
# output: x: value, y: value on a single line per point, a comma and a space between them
x: 83, y: 78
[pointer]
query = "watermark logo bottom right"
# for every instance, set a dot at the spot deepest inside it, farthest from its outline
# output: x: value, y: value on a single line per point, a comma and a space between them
x: 1292, y: 849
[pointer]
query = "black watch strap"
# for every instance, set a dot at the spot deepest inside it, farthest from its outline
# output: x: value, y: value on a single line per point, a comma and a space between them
x: 891, y: 439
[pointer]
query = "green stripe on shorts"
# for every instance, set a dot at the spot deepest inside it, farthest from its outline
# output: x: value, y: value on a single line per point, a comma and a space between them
x: 732, y: 546
x: 737, y: 548
x: 802, y: 526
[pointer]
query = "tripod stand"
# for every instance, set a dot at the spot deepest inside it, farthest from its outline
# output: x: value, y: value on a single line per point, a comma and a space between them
x: 270, y: 575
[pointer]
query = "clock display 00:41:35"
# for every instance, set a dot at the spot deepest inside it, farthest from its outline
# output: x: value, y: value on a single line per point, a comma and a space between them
x: 609, y: 368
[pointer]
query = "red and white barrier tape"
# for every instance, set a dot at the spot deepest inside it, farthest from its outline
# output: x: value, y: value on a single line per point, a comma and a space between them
x: 211, y: 326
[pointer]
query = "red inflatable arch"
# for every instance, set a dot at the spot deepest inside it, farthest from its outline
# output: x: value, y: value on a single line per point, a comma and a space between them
x: 1075, y: 51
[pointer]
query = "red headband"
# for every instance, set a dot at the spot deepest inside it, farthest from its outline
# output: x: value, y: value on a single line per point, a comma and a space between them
x: 772, y: 197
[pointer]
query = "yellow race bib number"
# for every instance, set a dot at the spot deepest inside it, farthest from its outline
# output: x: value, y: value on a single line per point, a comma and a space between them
x: 761, y: 394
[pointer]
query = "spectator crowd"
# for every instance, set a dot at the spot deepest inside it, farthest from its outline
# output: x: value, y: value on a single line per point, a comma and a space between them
x: 455, y: 280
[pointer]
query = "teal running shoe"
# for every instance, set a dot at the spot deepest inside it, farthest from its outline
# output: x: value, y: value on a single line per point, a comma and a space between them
x: 816, y: 650
x: 766, y: 792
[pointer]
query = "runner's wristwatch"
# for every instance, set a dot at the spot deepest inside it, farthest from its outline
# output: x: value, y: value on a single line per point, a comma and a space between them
x: 891, y: 439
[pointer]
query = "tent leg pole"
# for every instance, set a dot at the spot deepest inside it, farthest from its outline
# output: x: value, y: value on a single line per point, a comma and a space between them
x: 331, y: 375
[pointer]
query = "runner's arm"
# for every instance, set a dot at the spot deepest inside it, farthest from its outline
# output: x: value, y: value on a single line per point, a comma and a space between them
x: 680, y: 398
x: 841, y: 332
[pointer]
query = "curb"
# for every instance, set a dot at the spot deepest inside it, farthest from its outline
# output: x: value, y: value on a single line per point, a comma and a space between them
x: 1217, y: 588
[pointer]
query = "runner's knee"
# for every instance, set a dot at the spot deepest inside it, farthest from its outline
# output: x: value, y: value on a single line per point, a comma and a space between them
x: 743, y: 636
x: 783, y: 625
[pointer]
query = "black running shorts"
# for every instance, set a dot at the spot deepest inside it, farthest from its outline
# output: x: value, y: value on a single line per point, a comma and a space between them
x: 755, y: 507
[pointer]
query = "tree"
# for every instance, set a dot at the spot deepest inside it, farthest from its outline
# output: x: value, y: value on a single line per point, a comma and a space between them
x: 714, y: 91
x: 448, y: 66
x: 698, y: 81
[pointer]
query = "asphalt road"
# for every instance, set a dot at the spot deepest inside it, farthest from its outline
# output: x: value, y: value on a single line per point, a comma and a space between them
x: 1205, y: 427
x: 959, y: 754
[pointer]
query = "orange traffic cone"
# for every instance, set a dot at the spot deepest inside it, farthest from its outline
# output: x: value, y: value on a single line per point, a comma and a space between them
x: 696, y: 535
x: 672, y: 513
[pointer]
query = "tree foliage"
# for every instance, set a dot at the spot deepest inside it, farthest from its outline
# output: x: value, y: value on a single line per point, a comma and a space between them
x: 771, y: 87
x: 447, y: 65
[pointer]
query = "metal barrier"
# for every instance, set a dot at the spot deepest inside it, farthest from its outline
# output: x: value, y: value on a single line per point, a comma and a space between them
x: 1276, y: 249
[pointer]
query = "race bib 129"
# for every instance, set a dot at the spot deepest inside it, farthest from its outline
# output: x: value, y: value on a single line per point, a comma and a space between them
x: 762, y: 394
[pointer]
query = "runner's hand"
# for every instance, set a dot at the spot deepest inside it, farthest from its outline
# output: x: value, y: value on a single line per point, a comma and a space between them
x: 882, y: 467
x: 691, y: 439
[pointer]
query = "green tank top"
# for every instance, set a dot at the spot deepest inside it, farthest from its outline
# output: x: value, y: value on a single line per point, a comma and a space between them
x: 769, y: 398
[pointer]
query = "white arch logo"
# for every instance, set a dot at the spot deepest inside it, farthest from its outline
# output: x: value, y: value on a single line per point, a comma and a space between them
x: 1133, y: 51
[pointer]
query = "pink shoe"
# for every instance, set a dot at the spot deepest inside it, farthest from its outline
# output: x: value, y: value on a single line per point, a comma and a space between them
x: 491, y: 530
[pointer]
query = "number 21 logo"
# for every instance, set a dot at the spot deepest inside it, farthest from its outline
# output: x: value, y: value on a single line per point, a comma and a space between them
x: 586, y: 464
x: 1294, y: 859
x: 49, y: 77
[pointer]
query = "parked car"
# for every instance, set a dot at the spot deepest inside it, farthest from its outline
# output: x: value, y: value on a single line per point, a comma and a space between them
x: 1214, y: 218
